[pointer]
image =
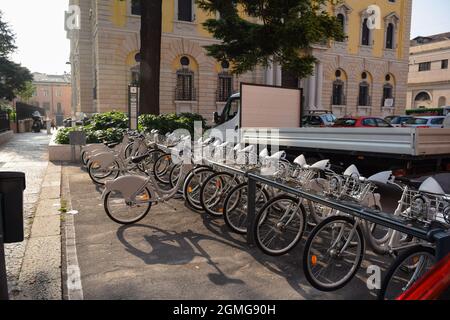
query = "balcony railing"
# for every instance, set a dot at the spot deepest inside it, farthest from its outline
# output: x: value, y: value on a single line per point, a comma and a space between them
x: 365, y: 101
x: 339, y: 100
x: 185, y: 94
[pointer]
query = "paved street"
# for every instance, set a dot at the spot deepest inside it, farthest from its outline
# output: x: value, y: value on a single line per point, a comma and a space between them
x: 175, y: 253
x: 26, y: 152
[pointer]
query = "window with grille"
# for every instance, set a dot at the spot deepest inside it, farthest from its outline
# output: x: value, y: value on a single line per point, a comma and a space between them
x: 388, y: 93
x: 364, y: 98
x: 185, y: 86
x: 225, y: 87
x: 424, y: 66
x: 338, y: 93
x: 185, y: 10
x: 136, y: 7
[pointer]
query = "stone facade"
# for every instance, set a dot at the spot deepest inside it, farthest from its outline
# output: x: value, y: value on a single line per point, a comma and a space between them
x: 104, y: 60
x: 54, y: 94
x: 429, y: 72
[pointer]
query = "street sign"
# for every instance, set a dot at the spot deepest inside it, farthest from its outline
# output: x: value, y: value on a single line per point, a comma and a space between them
x: 133, y: 106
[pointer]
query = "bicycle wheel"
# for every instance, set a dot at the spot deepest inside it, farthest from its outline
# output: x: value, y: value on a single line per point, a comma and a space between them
x: 125, y: 212
x: 193, y: 184
x: 214, y: 192
x: 100, y: 175
x: 84, y: 158
x: 280, y: 225
x: 236, y: 204
x: 175, y: 174
x: 146, y: 165
x: 333, y: 253
x: 409, y: 267
x: 162, y: 167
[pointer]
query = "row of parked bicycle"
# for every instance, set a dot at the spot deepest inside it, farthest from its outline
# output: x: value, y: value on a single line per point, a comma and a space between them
x: 148, y: 169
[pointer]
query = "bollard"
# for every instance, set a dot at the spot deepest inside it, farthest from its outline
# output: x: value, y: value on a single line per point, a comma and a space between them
x: 3, y: 279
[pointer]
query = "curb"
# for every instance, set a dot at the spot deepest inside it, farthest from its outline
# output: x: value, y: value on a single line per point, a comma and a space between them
x: 72, y: 287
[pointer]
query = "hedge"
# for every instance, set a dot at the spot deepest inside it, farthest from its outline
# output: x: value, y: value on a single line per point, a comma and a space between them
x: 111, y: 126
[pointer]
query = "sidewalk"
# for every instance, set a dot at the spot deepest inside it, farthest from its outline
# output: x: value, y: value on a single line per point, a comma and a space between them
x: 33, y: 266
x: 175, y: 253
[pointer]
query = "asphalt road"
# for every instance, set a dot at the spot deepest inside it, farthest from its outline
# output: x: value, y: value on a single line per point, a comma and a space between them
x: 175, y: 253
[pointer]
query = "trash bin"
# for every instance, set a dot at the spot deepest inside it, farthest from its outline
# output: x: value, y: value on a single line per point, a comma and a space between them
x: 12, y: 185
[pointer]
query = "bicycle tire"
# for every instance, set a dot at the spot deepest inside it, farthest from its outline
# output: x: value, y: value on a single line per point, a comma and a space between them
x: 122, y: 222
x: 359, y: 255
x: 188, y: 190
x: 111, y: 173
x: 219, y: 198
x: 398, y: 263
x: 256, y: 226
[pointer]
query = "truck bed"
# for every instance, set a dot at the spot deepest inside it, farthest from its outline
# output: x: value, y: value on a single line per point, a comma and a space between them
x: 395, y: 141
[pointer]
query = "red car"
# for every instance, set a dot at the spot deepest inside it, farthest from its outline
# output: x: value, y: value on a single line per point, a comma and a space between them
x: 361, y: 122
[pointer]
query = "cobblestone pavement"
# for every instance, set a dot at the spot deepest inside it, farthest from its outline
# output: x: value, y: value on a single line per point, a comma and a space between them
x: 26, y: 152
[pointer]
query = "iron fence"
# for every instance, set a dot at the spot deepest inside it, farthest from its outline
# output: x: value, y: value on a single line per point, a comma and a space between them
x: 4, y: 121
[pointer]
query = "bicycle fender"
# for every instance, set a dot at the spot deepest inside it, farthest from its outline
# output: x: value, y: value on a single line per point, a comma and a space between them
x: 126, y: 185
x: 104, y: 159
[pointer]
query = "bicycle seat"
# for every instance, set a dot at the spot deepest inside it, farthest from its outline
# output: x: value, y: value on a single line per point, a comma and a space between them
x: 112, y: 145
x: 352, y: 171
x: 300, y: 160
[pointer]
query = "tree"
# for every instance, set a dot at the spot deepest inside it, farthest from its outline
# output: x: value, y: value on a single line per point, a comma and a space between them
x: 7, y: 39
x: 151, y: 28
x: 13, y: 77
x: 26, y: 92
x: 281, y: 31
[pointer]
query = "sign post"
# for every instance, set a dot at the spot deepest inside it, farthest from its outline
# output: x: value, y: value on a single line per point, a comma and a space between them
x: 133, y: 106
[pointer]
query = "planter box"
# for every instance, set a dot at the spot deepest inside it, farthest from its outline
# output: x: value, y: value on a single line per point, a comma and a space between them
x: 62, y: 152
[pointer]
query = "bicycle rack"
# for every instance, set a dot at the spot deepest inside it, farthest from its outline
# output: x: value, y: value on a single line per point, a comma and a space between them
x: 438, y: 236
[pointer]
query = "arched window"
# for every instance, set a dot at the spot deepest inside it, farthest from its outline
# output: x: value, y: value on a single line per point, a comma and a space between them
x: 225, y: 83
x: 422, y: 96
x: 388, y: 93
x: 365, y: 38
x: 185, y: 90
x: 442, y: 102
x: 390, y: 36
x: 338, y: 93
x: 364, y: 94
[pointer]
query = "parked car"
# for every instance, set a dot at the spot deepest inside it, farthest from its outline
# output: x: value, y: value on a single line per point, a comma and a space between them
x: 397, y: 121
x: 319, y: 119
x: 361, y: 122
x: 425, y: 122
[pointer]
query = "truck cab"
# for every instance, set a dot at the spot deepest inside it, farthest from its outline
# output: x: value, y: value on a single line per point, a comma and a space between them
x: 229, y: 119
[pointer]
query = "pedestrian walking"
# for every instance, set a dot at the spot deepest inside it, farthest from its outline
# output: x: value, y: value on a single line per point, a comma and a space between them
x: 53, y: 124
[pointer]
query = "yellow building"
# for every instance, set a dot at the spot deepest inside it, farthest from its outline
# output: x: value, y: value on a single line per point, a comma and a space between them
x: 366, y: 74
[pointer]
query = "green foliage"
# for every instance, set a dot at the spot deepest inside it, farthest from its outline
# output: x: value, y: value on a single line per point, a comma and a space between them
x: 114, y: 119
x: 109, y: 127
x: 170, y: 122
x: 13, y: 78
x: 284, y: 33
x: 26, y: 92
x: 7, y: 38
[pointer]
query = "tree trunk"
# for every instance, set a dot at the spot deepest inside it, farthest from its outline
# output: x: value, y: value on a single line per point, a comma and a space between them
x: 151, y: 21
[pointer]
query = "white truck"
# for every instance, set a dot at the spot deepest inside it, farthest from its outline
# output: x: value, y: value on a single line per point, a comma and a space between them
x: 257, y: 110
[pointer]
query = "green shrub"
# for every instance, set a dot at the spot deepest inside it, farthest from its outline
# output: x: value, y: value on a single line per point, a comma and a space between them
x: 170, y: 122
x: 109, y: 126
